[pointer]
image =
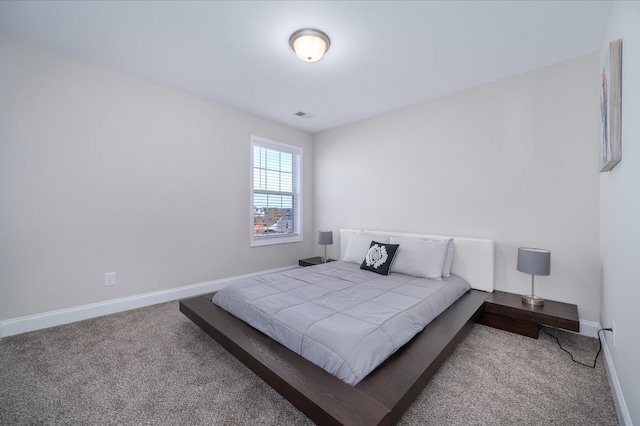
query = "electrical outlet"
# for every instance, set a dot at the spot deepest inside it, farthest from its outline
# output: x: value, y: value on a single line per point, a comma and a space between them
x: 613, y: 333
x: 109, y: 279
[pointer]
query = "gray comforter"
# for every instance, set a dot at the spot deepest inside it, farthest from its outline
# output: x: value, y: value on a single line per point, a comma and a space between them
x: 343, y: 319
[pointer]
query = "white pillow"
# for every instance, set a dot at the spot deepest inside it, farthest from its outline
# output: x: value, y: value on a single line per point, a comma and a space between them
x: 358, y: 246
x: 419, y: 257
x: 448, y: 261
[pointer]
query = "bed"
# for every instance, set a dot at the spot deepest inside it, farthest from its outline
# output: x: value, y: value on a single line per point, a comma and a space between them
x: 384, y: 394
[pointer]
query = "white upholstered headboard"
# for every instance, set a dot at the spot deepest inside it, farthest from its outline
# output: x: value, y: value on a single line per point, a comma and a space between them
x: 473, y: 259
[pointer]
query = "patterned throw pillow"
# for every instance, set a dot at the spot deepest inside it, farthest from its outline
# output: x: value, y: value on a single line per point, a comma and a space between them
x: 379, y: 257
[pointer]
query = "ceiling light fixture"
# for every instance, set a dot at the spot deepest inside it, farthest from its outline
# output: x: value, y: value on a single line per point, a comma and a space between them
x: 309, y: 44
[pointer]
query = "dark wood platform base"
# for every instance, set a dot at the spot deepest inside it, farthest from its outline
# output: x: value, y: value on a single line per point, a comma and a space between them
x: 380, y: 399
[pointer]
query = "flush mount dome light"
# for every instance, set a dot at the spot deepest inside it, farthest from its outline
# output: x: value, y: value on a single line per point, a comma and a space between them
x: 309, y: 44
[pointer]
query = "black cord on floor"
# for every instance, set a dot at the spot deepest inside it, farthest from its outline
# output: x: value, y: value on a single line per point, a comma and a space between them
x: 595, y: 360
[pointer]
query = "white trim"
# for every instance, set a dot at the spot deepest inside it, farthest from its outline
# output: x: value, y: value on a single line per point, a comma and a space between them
x: 616, y: 391
x: 65, y: 316
x: 589, y: 328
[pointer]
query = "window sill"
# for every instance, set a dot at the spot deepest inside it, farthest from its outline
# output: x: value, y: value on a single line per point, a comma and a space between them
x: 269, y: 241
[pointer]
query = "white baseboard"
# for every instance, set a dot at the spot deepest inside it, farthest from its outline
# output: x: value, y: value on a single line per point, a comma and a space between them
x: 589, y: 328
x: 624, y: 417
x: 65, y: 316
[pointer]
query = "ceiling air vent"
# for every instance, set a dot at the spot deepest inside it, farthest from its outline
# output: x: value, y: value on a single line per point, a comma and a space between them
x: 304, y: 115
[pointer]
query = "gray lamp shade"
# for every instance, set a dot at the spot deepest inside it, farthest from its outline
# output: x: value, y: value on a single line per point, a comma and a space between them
x: 534, y: 261
x: 325, y: 237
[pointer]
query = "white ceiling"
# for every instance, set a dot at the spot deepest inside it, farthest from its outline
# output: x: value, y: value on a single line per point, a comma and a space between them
x: 384, y: 55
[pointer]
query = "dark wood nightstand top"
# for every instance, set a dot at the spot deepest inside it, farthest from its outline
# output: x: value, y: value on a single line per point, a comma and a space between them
x: 312, y: 261
x: 506, y: 310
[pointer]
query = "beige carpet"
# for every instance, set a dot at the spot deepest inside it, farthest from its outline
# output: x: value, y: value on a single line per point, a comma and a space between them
x: 153, y: 366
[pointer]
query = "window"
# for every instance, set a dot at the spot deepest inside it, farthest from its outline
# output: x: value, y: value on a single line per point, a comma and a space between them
x: 276, y: 196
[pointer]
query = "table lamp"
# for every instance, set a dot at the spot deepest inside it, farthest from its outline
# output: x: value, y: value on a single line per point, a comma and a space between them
x: 533, y: 261
x: 325, y: 238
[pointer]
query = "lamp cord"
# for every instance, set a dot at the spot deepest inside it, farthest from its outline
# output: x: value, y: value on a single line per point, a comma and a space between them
x: 595, y: 360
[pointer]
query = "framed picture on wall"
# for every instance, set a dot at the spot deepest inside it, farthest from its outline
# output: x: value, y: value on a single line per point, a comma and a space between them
x: 611, y: 107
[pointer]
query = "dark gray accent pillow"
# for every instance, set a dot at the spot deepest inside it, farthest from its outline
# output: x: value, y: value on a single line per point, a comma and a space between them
x: 379, y: 257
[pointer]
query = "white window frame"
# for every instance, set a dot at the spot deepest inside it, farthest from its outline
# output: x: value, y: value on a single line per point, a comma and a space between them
x: 269, y: 239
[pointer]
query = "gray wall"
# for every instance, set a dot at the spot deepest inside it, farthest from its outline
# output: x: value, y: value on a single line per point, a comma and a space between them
x: 101, y: 172
x: 515, y: 161
x: 620, y: 215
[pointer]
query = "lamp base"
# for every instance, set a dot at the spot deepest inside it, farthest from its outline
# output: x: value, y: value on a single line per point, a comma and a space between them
x: 532, y: 300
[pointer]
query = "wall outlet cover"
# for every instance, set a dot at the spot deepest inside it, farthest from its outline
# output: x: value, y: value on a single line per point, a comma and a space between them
x: 613, y: 333
x: 109, y: 279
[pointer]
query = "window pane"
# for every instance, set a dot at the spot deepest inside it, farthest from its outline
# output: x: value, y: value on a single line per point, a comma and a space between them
x: 257, y: 179
x: 286, y: 162
x: 273, y: 170
x: 260, y: 201
x: 275, y: 197
x: 273, y: 214
x: 259, y: 213
x: 259, y: 157
x: 287, y: 203
x: 272, y: 160
x: 286, y: 182
x: 272, y: 181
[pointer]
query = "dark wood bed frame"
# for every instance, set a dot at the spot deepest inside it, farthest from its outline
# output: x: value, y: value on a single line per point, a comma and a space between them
x: 381, y: 398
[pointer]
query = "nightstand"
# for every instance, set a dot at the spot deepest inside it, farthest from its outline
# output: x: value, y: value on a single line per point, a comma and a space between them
x: 313, y: 261
x: 507, y: 312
